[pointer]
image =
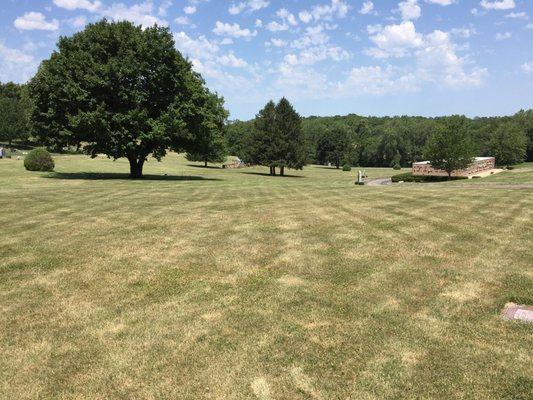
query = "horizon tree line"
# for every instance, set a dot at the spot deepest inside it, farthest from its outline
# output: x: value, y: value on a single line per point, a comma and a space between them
x: 124, y: 91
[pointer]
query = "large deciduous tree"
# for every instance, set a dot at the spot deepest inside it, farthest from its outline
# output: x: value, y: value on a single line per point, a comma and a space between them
x: 209, y: 144
x: 278, y: 139
x: 14, y: 112
x: 123, y: 91
x: 336, y: 146
x: 508, y: 144
x: 450, y: 148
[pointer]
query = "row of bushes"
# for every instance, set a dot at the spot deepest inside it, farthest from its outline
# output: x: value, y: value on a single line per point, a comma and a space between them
x: 409, y: 177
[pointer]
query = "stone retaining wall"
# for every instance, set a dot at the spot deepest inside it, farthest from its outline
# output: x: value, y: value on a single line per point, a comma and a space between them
x: 478, y: 166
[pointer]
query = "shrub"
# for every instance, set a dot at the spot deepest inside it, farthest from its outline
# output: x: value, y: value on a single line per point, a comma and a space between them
x: 510, y: 167
x: 406, y: 177
x: 409, y: 177
x: 397, y: 167
x: 39, y: 160
x: 346, y: 167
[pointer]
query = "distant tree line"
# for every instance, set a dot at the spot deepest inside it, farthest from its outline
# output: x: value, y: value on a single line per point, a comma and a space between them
x: 15, y: 107
x: 126, y: 92
x: 390, y: 141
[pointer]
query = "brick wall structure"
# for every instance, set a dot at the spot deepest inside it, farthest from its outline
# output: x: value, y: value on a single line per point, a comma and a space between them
x: 480, y: 164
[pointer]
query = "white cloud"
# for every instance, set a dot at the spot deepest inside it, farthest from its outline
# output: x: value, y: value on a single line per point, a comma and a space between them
x: 435, y: 54
x: 16, y: 65
x: 519, y: 15
x: 367, y: 8
x: 475, y: 12
x: 305, y: 16
x: 529, y: 26
x: 497, y: 5
x: 441, y: 2
x: 286, y: 16
x: 503, y: 36
x: 141, y: 14
x: 226, y: 41
x: 235, y: 9
x: 35, y: 21
x: 287, y: 20
x: 258, y: 23
x: 78, y: 22
x: 377, y: 81
x: 438, y: 61
x: 335, y: 9
x: 232, y: 30
x: 248, y: 5
x: 230, y: 60
x: 182, y: 20
x: 207, y: 60
x: 163, y: 7
x: 278, y: 42
x: 313, y: 36
x: 276, y: 26
x: 527, y: 67
x: 394, y: 40
x: 409, y: 9
x: 88, y: 5
x: 195, y: 48
x: 189, y: 10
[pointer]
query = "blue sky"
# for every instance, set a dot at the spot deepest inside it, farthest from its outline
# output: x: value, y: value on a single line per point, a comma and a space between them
x: 381, y: 57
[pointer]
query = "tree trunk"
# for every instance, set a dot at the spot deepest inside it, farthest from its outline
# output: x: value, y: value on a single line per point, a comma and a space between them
x: 205, y: 163
x: 282, y: 171
x: 136, y: 168
x: 10, y: 140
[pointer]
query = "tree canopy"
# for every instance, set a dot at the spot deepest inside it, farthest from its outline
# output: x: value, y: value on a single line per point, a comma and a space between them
x: 277, y: 138
x: 382, y: 141
x: 508, y: 144
x: 123, y: 91
x: 14, y: 112
x: 450, y: 148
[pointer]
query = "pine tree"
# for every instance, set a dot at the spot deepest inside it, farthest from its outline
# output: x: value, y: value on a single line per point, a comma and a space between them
x: 278, y: 139
x: 262, y: 144
x: 291, y: 146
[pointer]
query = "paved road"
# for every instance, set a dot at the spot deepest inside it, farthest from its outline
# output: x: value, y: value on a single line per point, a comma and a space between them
x: 379, y: 182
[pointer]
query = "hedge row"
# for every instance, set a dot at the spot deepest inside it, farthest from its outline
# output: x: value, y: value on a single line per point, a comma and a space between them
x: 409, y: 177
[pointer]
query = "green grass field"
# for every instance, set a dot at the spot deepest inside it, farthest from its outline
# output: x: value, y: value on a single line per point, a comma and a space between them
x: 228, y: 284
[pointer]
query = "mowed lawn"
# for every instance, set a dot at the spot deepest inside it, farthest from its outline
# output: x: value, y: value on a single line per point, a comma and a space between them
x: 228, y: 284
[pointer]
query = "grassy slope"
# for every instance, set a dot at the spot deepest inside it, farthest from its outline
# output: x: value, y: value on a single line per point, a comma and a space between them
x: 232, y: 284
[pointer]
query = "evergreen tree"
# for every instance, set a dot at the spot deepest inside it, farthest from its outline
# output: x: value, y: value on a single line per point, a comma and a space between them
x: 278, y: 139
x: 291, y: 149
x: 263, y: 140
x: 508, y: 144
x: 450, y: 148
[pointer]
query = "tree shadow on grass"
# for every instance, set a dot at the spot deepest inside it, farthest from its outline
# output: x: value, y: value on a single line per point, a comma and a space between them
x: 95, y: 176
x: 273, y: 176
x: 203, y: 166
x: 326, y: 167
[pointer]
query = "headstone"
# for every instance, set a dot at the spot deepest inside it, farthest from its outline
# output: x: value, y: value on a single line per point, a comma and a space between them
x: 522, y: 313
x: 360, y: 180
x: 1, y: 152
